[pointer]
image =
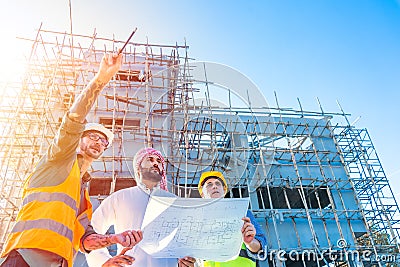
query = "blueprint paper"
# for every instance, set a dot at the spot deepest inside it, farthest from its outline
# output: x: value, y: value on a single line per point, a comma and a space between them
x: 208, y: 229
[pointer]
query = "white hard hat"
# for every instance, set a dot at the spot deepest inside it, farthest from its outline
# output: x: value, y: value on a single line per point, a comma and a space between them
x: 91, y: 126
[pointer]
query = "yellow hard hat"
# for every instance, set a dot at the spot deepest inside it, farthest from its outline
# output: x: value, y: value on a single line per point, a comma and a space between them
x: 211, y: 174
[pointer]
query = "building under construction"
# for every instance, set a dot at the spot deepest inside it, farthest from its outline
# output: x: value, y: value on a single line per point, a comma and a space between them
x: 315, y: 182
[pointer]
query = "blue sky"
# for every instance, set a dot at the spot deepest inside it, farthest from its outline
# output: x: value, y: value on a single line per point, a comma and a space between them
x: 336, y: 50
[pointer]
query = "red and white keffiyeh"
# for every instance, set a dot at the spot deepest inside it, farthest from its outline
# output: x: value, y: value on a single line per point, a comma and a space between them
x: 137, y: 160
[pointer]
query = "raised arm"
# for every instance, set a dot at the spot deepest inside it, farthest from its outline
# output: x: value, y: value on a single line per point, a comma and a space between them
x: 66, y: 141
x: 109, y: 66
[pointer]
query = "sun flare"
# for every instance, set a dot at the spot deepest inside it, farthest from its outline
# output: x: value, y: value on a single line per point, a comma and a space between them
x: 13, y: 63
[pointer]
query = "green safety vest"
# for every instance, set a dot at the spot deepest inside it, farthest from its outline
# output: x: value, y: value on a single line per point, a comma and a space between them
x: 241, y: 261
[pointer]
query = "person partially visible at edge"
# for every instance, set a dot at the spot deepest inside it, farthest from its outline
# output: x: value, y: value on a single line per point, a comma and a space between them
x: 212, y: 184
x: 54, y: 220
x: 125, y: 209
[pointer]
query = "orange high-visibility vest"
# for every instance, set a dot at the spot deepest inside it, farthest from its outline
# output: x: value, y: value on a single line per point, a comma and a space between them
x: 49, y: 219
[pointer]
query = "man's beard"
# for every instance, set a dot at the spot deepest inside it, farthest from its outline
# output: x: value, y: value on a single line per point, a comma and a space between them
x: 150, y: 175
x: 89, y: 153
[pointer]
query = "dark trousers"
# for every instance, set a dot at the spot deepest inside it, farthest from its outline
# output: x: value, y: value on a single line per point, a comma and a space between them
x: 14, y: 259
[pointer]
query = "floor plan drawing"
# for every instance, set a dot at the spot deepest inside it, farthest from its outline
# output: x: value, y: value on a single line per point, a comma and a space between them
x: 201, y: 228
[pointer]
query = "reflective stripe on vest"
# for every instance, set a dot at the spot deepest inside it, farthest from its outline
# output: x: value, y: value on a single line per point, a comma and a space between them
x: 84, y: 221
x: 49, y: 220
x: 43, y: 224
x: 243, y: 260
x: 49, y: 197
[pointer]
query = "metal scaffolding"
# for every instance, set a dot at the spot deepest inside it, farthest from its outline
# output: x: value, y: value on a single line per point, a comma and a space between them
x: 315, y: 186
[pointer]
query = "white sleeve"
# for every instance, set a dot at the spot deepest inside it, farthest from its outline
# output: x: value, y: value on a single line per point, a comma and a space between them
x: 103, y: 218
x: 97, y: 257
